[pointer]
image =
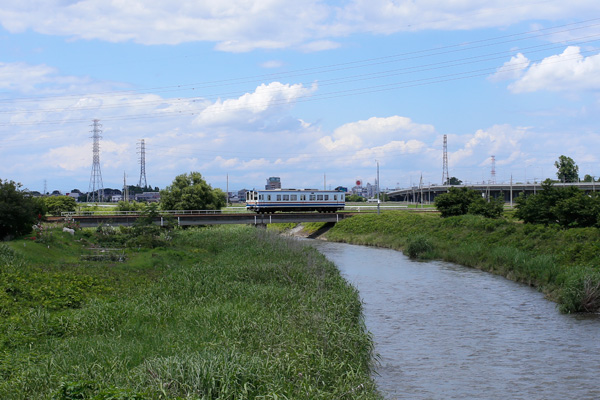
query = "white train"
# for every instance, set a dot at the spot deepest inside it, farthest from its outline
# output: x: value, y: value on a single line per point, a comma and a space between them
x: 269, y: 201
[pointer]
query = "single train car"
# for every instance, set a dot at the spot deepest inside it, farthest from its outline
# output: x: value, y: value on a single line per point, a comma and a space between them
x: 270, y: 201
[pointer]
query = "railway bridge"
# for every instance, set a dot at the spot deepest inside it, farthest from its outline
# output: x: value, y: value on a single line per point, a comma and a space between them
x: 191, y: 218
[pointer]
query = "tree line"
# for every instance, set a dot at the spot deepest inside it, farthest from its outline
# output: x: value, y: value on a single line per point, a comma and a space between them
x: 20, y: 212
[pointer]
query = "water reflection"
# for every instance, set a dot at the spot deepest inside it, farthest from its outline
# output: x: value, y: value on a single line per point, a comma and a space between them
x: 444, y: 331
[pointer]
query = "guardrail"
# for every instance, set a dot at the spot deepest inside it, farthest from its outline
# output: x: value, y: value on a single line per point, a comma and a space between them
x: 137, y: 213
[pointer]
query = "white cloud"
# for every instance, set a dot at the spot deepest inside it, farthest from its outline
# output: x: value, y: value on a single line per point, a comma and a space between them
x: 252, y: 107
x: 565, y: 72
x: 272, y: 64
x: 502, y: 141
x: 511, y: 69
x: 319, y: 45
x: 375, y: 130
x: 241, y: 25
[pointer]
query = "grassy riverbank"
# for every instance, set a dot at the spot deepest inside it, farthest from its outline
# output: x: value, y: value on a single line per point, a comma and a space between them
x: 218, y: 313
x: 564, y: 264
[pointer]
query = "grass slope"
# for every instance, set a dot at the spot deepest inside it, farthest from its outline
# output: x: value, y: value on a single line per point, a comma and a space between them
x: 219, y: 313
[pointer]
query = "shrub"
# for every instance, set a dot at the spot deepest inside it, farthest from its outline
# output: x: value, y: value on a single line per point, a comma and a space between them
x: 56, y: 205
x: 417, y: 245
x: 461, y: 201
x: 18, y: 210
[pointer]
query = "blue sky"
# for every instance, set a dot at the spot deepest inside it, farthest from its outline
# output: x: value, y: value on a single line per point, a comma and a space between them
x: 311, y: 91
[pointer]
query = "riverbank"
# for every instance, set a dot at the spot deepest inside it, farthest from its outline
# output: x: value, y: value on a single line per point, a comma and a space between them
x: 223, y: 312
x: 563, y: 264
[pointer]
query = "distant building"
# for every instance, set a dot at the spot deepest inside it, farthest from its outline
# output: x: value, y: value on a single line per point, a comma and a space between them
x: 150, y: 197
x: 241, y: 194
x: 273, y: 182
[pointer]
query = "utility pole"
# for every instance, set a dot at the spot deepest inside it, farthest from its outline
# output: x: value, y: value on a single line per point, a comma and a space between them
x: 96, y: 189
x: 125, y: 188
x: 378, y: 200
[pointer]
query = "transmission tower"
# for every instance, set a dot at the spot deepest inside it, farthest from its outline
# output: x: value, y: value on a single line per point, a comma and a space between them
x: 142, y: 153
x: 96, y: 189
x: 493, y: 169
x: 445, y: 176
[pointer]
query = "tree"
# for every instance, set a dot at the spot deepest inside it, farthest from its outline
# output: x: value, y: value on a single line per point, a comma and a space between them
x: 453, y: 181
x: 59, y: 204
x: 191, y: 192
x: 461, y: 201
x: 354, y: 198
x: 568, y: 206
x: 456, y: 201
x: 568, y: 171
x: 18, y: 211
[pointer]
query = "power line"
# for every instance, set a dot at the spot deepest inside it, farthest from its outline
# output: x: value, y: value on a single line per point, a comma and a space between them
x: 440, y: 50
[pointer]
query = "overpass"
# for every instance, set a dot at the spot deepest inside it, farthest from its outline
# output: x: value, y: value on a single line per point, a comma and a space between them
x: 508, y: 191
x: 191, y: 218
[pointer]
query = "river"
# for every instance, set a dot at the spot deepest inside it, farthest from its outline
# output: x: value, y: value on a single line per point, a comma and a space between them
x: 444, y: 331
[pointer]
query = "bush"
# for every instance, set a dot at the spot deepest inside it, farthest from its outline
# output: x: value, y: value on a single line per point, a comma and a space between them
x: 568, y: 207
x: 461, y: 201
x: 56, y: 205
x: 18, y: 211
x: 417, y: 245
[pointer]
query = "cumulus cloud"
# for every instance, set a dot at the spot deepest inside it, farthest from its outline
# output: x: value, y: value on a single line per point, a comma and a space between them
x: 512, y: 69
x: 375, y: 130
x: 252, y: 107
x: 239, y: 25
x: 502, y: 141
x: 565, y: 72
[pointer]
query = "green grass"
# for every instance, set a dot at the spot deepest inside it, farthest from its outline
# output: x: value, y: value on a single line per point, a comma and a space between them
x: 564, y: 264
x: 221, y: 313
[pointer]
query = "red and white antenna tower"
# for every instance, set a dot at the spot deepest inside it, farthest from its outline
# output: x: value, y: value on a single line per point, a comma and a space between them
x: 493, y: 169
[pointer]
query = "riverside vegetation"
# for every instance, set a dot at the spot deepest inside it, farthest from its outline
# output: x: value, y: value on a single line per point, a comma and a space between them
x: 563, y: 263
x: 204, y: 313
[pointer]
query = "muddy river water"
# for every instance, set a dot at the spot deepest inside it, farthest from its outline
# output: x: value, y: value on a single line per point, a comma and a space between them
x: 443, y: 331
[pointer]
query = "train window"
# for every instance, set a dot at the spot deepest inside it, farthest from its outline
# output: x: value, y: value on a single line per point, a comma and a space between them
x: 303, y: 197
x: 341, y: 197
x: 278, y: 197
x: 293, y: 197
x: 269, y: 197
x: 326, y: 197
x: 319, y: 197
x: 261, y: 197
x: 335, y: 196
x: 286, y: 197
x: 313, y: 197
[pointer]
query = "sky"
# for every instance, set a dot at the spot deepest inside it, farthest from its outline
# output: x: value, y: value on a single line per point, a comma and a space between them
x: 319, y: 93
